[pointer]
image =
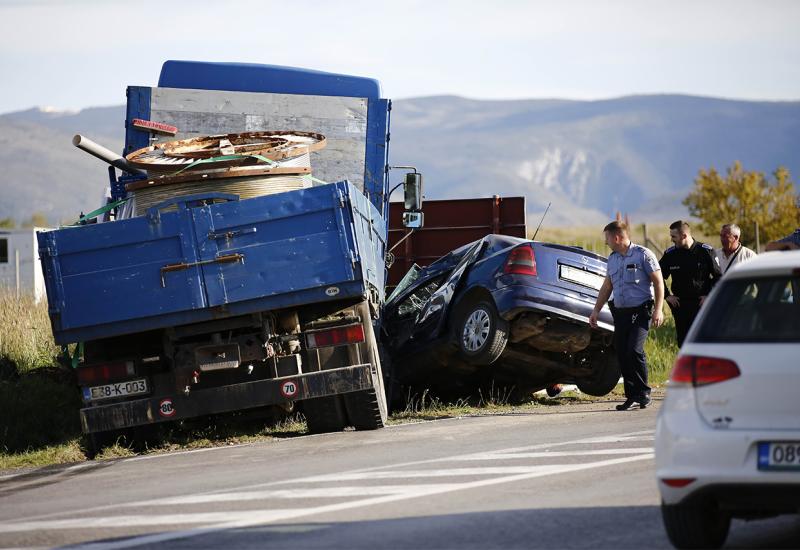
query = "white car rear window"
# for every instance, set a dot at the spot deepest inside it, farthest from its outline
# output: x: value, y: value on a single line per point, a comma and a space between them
x: 754, y: 310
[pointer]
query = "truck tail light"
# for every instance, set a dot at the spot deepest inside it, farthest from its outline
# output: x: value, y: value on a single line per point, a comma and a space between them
x: 701, y: 371
x: 93, y: 374
x: 338, y: 336
x: 521, y: 261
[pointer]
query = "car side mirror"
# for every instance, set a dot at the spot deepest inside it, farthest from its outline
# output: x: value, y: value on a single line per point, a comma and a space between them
x: 412, y: 191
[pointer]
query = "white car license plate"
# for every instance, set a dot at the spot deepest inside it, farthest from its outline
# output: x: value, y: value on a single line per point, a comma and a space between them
x: 779, y: 455
x: 119, y: 389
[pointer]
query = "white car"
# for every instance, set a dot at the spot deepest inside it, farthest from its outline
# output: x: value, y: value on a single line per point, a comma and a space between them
x: 728, y: 433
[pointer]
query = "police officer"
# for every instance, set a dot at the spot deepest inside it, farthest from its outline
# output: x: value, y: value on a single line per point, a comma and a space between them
x: 635, y: 279
x: 694, y: 269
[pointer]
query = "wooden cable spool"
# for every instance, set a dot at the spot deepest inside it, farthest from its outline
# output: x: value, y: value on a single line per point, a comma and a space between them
x: 174, y: 156
x: 172, y: 172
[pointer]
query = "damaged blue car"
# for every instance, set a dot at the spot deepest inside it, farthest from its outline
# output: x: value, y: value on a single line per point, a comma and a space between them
x: 504, y: 311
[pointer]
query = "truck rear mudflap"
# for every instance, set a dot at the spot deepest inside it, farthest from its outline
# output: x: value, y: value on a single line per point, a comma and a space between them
x: 234, y: 397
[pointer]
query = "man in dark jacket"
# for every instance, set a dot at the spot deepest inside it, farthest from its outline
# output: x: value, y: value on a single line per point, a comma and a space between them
x: 694, y: 270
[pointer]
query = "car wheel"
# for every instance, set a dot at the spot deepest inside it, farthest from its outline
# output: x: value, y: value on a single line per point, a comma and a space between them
x: 481, y: 333
x: 605, y: 373
x: 695, y: 526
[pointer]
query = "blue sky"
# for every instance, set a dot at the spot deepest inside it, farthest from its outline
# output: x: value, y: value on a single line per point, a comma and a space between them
x: 81, y: 53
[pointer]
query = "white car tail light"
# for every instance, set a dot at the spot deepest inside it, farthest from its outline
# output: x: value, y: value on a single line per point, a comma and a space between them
x: 700, y: 371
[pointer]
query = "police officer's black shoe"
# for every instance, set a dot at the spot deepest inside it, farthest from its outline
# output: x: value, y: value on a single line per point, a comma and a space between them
x: 644, y: 401
x: 627, y: 405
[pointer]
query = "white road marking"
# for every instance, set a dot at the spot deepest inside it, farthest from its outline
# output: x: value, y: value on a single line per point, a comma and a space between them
x: 243, y: 519
x: 316, y: 492
x: 448, y: 472
x: 498, y: 455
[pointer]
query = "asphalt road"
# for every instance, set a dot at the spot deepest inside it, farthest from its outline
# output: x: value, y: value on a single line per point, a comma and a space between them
x: 563, y: 477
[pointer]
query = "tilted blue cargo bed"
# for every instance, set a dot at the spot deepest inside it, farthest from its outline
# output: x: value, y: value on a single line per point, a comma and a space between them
x: 171, y: 268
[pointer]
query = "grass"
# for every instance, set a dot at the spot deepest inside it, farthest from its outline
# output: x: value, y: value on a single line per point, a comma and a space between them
x: 661, y: 349
x: 26, y: 340
x: 591, y: 238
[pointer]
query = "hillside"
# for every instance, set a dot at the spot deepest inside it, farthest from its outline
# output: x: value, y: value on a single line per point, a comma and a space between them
x: 638, y: 154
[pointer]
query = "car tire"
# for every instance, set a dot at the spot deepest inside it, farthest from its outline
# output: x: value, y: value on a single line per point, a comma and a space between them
x: 481, y: 334
x: 605, y: 374
x: 703, y: 526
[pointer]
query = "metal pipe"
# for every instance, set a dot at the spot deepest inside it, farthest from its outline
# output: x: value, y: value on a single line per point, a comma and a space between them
x: 85, y: 144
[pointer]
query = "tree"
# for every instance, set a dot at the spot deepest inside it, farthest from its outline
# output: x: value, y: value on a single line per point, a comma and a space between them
x: 37, y: 219
x: 7, y: 223
x: 745, y: 198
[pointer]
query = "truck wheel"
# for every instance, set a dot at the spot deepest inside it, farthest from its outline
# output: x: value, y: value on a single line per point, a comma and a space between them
x: 702, y: 526
x: 325, y: 414
x: 481, y: 334
x: 605, y: 373
x: 366, y: 409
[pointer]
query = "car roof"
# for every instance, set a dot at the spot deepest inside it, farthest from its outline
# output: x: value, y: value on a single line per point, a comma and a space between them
x: 768, y: 263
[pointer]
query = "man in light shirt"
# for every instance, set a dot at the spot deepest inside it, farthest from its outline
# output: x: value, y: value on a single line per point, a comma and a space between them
x: 733, y: 252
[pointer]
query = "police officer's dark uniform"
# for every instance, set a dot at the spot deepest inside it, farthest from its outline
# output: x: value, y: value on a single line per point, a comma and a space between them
x: 694, y: 272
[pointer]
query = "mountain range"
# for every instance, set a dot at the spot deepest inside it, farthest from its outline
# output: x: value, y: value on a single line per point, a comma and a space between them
x: 637, y: 155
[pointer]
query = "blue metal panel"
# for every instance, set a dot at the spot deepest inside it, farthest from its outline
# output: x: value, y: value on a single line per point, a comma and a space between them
x: 138, y: 107
x: 107, y: 279
x: 135, y: 138
x: 290, y: 241
x: 377, y: 151
x: 104, y: 273
x: 251, y: 77
x: 370, y: 239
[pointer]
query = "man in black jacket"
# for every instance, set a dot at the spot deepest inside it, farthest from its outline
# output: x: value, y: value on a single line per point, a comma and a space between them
x: 694, y: 270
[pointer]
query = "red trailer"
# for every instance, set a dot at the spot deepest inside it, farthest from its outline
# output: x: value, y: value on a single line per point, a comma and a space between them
x: 450, y: 224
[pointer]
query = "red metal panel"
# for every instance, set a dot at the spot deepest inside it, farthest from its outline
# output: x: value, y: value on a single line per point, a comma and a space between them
x: 450, y: 224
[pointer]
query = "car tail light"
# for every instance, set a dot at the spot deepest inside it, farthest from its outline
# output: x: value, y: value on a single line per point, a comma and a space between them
x: 701, y: 371
x: 678, y: 481
x: 93, y: 374
x: 521, y: 261
x: 339, y: 336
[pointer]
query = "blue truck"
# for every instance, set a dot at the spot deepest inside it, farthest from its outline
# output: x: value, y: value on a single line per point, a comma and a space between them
x: 209, y: 303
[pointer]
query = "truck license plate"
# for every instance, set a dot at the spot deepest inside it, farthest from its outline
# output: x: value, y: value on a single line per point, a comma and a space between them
x: 779, y: 455
x: 119, y: 389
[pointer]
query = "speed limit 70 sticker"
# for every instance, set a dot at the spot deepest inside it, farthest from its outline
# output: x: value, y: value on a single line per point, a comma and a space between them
x: 289, y: 388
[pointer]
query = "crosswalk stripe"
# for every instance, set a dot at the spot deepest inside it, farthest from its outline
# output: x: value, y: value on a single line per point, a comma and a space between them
x: 446, y: 472
x: 316, y: 492
x: 498, y: 455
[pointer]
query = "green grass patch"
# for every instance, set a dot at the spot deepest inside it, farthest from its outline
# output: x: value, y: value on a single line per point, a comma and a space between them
x: 26, y: 340
x: 62, y: 453
x: 661, y: 349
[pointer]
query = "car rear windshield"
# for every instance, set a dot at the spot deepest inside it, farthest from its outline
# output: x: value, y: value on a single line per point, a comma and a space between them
x: 754, y: 310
